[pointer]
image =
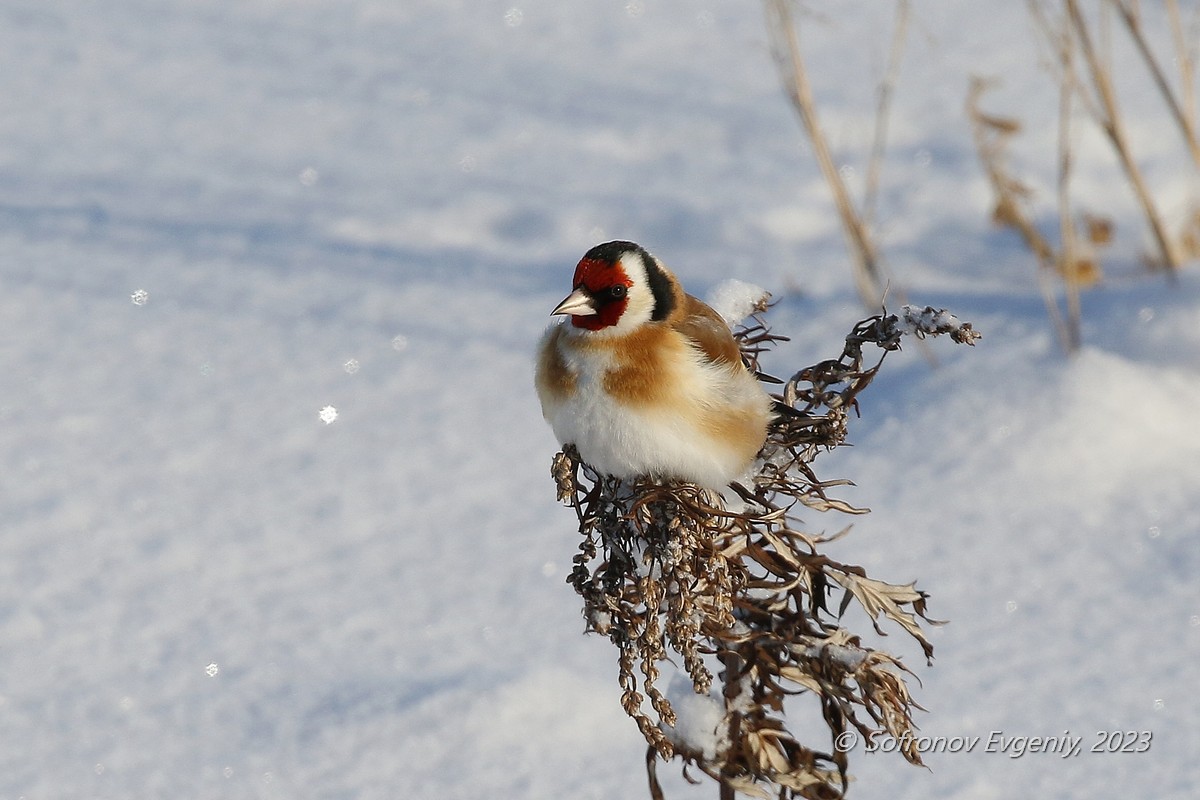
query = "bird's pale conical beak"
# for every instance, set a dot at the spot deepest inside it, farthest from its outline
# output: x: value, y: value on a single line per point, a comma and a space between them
x: 578, y: 304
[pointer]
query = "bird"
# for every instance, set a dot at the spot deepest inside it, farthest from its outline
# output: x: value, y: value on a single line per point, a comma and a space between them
x: 644, y: 379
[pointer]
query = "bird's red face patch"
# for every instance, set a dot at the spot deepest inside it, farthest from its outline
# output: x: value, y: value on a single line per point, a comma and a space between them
x: 608, y: 285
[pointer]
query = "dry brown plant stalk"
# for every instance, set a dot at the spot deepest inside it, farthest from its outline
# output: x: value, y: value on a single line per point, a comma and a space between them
x: 670, y: 572
x: 1070, y: 34
x: 883, y: 111
x: 1081, y: 65
x: 1185, y: 59
x: 869, y: 277
x: 1075, y: 268
x: 1183, y: 111
x: 1102, y: 102
x: 992, y: 136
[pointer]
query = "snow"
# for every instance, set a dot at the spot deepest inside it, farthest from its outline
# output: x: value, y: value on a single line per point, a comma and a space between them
x: 206, y: 592
x: 927, y: 320
x: 849, y: 657
x: 735, y: 300
x: 699, y: 719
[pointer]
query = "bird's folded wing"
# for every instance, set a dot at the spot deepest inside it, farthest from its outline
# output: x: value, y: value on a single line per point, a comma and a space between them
x: 705, y: 328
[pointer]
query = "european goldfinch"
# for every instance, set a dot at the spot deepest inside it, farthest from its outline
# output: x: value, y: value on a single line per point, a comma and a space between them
x: 646, y: 380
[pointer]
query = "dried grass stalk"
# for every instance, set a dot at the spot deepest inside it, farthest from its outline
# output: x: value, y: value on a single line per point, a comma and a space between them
x: 869, y: 276
x: 670, y: 572
x: 1107, y: 114
x: 1183, y: 110
x: 993, y: 135
x: 883, y: 110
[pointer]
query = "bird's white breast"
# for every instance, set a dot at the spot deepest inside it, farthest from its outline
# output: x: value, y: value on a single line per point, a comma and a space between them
x: 664, y: 439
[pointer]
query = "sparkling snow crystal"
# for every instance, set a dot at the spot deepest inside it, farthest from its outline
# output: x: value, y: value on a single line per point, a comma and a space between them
x: 328, y: 414
x: 140, y: 297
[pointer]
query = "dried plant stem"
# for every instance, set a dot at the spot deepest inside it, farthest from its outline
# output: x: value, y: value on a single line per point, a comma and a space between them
x: 1187, y: 66
x: 868, y: 271
x: 883, y: 110
x: 656, y: 792
x: 1184, y: 117
x: 730, y: 662
x: 671, y: 574
x: 1069, y: 258
x: 991, y: 134
x: 1109, y: 119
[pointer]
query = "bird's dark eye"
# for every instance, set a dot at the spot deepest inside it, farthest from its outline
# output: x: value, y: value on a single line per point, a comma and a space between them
x: 617, y: 292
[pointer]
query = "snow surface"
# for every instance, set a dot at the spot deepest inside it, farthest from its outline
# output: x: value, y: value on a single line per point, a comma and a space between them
x: 208, y: 211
